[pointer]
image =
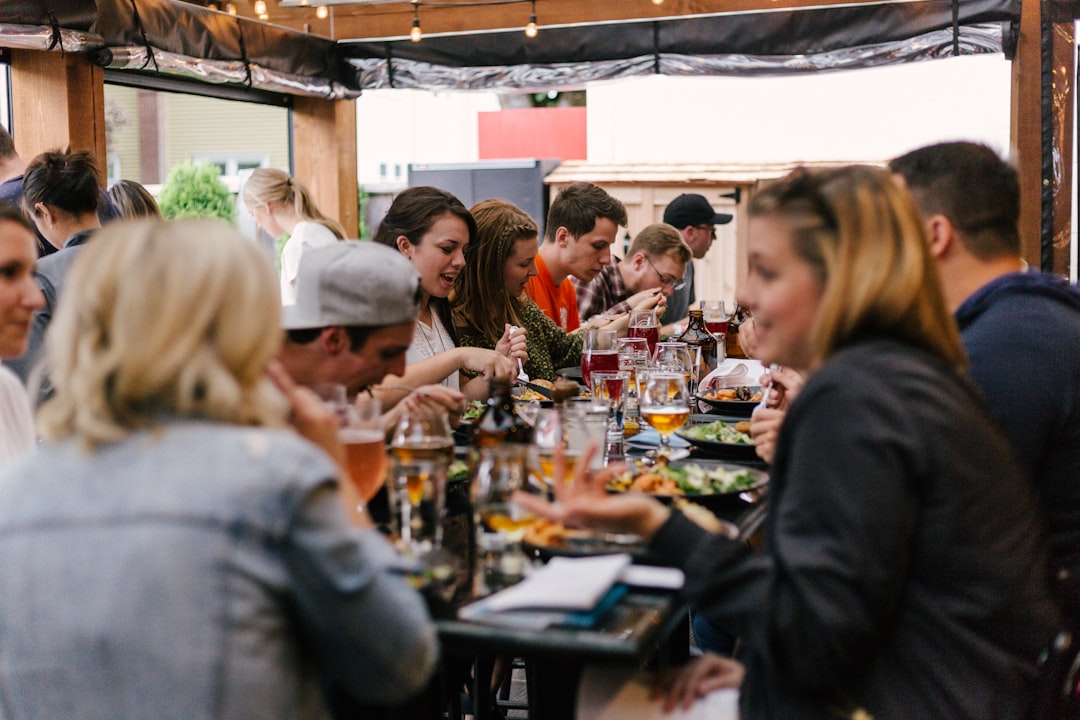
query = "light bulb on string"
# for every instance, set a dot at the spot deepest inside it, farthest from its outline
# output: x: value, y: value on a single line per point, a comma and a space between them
x: 259, y: 7
x: 657, y: 2
x: 416, y: 33
x: 530, y: 29
x: 322, y: 12
x: 230, y: 8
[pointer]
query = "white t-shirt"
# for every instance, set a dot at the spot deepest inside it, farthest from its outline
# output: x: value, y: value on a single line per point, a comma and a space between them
x: 427, y: 342
x: 305, y: 236
x: 16, y: 417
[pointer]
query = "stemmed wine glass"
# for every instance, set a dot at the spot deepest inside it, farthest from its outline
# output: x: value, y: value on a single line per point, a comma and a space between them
x: 676, y: 356
x: 612, y: 386
x: 500, y: 522
x: 665, y: 405
x: 423, y: 447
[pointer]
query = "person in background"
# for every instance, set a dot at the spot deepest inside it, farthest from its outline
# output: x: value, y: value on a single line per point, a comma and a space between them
x: 353, y: 321
x: 432, y: 228
x: 61, y: 191
x: 485, y: 308
x: 12, y: 167
x: 650, y: 274
x: 20, y: 297
x: 693, y: 216
x: 133, y: 200
x: 581, y: 226
x: 281, y: 204
x: 905, y: 570
x: 1021, y: 329
x: 175, y: 548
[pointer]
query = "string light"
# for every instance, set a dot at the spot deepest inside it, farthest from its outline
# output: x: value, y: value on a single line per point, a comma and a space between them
x: 259, y: 7
x: 322, y: 12
x: 416, y: 34
x: 657, y: 2
x: 230, y: 8
x: 530, y: 29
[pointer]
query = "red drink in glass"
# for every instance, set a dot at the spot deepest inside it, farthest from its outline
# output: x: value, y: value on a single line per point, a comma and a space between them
x: 598, y: 361
x: 717, y: 328
x: 651, y: 334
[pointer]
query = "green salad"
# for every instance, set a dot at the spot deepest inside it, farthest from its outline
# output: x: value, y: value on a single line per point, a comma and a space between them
x: 458, y: 470
x: 473, y: 410
x: 697, y: 479
x: 718, y: 431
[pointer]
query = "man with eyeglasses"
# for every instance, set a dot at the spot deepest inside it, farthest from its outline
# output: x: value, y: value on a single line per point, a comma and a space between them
x: 693, y: 216
x: 653, y: 269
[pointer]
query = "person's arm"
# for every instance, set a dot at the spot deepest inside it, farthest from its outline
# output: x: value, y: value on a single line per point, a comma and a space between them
x: 433, y: 370
x: 563, y: 348
x: 369, y: 630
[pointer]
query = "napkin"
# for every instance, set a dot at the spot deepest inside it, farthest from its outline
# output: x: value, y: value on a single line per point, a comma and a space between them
x: 552, y: 594
x: 649, y: 438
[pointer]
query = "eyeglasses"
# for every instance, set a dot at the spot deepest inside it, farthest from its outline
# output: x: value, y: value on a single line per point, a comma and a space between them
x: 666, y: 280
x: 711, y: 229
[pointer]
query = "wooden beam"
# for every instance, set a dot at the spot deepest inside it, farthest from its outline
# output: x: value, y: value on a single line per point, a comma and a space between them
x: 58, y: 101
x: 1026, y: 128
x: 324, y: 143
x: 1062, y: 104
x: 394, y: 19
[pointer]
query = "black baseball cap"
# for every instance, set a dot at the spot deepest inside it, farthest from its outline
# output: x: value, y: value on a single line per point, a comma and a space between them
x: 693, y: 209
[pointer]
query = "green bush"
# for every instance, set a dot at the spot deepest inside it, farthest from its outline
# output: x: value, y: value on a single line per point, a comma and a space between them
x: 196, y: 191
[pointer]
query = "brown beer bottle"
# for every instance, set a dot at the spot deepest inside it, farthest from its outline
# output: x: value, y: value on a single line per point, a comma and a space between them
x: 734, y: 350
x: 698, y: 335
x: 499, y: 422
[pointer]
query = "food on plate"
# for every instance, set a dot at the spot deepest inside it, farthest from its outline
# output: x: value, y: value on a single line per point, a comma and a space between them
x: 735, y: 394
x: 473, y: 409
x: 720, y: 432
x: 686, y: 479
x: 545, y: 533
x: 529, y: 394
x: 457, y: 471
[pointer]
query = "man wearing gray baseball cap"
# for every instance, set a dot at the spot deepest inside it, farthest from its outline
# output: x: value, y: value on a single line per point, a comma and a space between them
x: 356, y: 304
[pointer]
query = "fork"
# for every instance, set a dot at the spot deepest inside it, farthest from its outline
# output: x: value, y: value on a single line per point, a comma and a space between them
x: 522, y: 375
x: 767, y: 391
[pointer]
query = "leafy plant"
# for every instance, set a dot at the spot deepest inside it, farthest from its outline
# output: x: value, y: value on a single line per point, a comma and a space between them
x: 196, y: 191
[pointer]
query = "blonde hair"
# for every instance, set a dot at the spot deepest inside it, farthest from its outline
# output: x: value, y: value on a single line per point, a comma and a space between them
x: 864, y: 236
x: 272, y: 185
x: 160, y: 319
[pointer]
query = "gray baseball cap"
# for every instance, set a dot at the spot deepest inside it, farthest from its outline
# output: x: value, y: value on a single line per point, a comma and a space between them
x: 353, y: 283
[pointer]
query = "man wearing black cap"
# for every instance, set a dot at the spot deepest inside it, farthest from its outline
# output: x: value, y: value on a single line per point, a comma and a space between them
x: 695, y: 219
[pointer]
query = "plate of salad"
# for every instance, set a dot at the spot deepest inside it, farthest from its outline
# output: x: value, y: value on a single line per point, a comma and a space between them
x: 721, y: 439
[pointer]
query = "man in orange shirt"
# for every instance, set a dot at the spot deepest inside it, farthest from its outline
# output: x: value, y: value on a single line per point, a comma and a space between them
x: 581, y: 226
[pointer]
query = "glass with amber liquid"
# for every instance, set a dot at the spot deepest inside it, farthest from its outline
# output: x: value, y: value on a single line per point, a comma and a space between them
x: 422, y: 448
x: 665, y: 405
x: 500, y: 522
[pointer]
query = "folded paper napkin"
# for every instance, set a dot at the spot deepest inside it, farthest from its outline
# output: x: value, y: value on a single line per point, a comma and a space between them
x: 569, y: 591
x: 733, y: 373
x: 649, y: 438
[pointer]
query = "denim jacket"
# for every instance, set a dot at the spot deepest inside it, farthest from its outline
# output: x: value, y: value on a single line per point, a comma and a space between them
x: 198, y: 570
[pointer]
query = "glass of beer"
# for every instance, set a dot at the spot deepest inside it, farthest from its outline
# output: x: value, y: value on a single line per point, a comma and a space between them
x: 665, y: 405
x: 549, y: 435
x: 423, y: 448
x: 500, y: 522
x: 365, y: 445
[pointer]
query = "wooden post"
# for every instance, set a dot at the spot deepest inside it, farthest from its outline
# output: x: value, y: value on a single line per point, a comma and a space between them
x: 58, y: 101
x: 324, y: 146
x: 1026, y: 128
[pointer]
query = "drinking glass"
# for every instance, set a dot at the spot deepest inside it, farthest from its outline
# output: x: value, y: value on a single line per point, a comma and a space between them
x: 645, y: 324
x: 423, y: 449
x: 612, y: 386
x: 586, y: 422
x: 335, y: 398
x: 365, y: 446
x: 634, y: 354
x: 550, y: 434
x: 500, y: 522
x: 665, y: 405
x: 677, y: 356
x: 598, y: 353
x: 716, y: 316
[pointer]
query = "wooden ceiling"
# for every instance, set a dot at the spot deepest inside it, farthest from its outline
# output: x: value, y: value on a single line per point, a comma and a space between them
x: 378, y: 20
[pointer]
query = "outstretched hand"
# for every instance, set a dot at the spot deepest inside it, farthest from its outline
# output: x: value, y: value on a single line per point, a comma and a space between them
x: 584, y: 501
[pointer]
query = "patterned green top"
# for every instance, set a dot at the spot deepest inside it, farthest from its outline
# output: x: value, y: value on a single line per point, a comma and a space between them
x: 549, y: 347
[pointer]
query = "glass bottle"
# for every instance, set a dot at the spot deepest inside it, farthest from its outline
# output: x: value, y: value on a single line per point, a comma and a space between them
x: 698, y: 335
x: 734, y: 350
x: 499, y: 422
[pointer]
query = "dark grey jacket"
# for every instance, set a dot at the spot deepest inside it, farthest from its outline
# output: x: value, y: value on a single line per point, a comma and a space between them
x: 906, y: 566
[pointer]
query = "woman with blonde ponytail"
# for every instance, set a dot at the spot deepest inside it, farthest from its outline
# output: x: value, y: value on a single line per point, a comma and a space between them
x: 281, y: 204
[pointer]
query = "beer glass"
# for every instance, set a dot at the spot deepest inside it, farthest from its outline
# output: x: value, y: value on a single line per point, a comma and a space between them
x: 423, y: 448
x: 665, y: 405
x: 365, y: 445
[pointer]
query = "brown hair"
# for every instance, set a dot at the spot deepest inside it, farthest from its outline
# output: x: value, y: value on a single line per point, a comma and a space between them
x: 65, y: 180
x: 660, y: 239
x: 133, y: 200
x: 479, y: 297
x: 415, y: 210
x: 577, y: 208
